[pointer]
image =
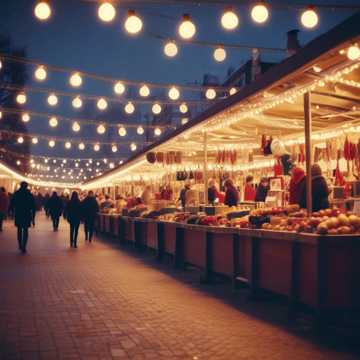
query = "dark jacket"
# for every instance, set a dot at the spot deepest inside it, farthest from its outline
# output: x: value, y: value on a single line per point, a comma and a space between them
x: 231, y: 196
x: 182, y: 196
x: 55, y: 206
x: 212, y: 194
x: 261, y: 193
x: 23, y: 204
x: 89, y: 208
x: 73, y: 211
x: 320, y: 193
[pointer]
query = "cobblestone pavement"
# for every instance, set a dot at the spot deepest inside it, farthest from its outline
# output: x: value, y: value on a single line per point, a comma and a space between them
x: 103, y: 302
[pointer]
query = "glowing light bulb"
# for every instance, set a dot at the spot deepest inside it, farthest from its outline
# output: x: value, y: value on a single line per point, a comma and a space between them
x: 52, y: 100
x: 133, y: 146
x: 51, y: 143
x: 317, y: 68
x: 133, y: 23
x: 157, y: 131
x: 309, y: 18
x: 232, y: 91
x: 77, y: 102
x: 353, y: 52
x: 183, y: 108
x: 68, y: 145
x: 210, y: 94
x: 106, y: 11
x: 81, y: 146
x: 129, y: 108
x: 101, y: 129
x: 25, y: 117
x: 76, y: 127
x: 140, y: 130
x: 260, y: 12
x: 1, y: 64
x: 0, y: 114
x: 187, y: 28
x: 184, y: 121
x: 229, y: 19
x: 114, y: 149
x: 20, y: 140
x: 96, y: 147
x: 18, y: 162
x: 122, y: 131
x: 170, y: 49
x: 40, y: 73
x: 156, y: 108
x: 119, y: 88
x: 53, y: 122
x: 174, y: 93
x: 42, y: 10
x: 102, y: 104
x: 219, y: 54
x: 75, y: 80
x: 35, y: 140
x: 144, y: 91
x: 21, y: 98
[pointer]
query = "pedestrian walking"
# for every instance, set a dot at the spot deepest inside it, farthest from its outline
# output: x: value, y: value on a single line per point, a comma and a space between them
x: 23, y: 204
x: 4, y: 206
x: 90, y: 209
x: 56, y: 207
x: 72, y: 214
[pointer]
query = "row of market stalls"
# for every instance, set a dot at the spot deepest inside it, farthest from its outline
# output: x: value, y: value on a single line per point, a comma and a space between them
x: 309, y: 107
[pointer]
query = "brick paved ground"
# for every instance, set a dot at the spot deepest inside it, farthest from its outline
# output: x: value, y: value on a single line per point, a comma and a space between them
x: 101, y: 302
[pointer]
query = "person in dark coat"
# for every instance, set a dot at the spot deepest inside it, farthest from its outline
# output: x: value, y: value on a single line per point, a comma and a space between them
x: 46, y: 204
x: 262, y: 190
x: 90, y: 209
x: 213, y: 193
x: 23, y: 204
x: 231, y: 194
x: 56, y: 207
x: 4, y: 206
x: 72, y: 214
x: 296, y: 185
x: 183, y: 192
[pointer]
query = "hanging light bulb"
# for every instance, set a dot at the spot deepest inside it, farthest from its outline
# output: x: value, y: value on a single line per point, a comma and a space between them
x: 133, y: 23
x: 75, y: 80
x: 229, y: 19
x: 42, y: 10
x: 51, y: 143
x: 183, y: 108
x: 1, y: 64
x: 102, y: 104
x: 77, y: 102
x: 187, y: 28
x: 53, y: 122
x: 129, y: 108
x: 157, y: 131
x: 0, y: 114
x: 25, y: 117
x: 40, y: 73
x: 20, y: 140
x: 76, y: 127
x: 210, y: 94
x: 81, y: 146
x: 18, y: 162
x: 260, y: 12
x: 233, y: 91
x: 156, y: 109
x: 133, y: 146
x: 114, y: 148
x: 353, y: 52
x: 144, y: 91
x: 140, y: 130
x: 219, y: 54
x: 119, y: 88
x: 170, y: 49
x: 34, y: 140
x: 52, y: 100
x: 309, y: 18
x: 21, y: 98
x: 174, y: 93
x: 184, y: 121
x: 101, y: 129
x: 122, y: 131
x: 106, y: 11
x: 96, y: 147
x: 68, y: 145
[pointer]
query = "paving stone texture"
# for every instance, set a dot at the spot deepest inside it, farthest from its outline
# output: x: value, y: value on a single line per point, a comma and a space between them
x: 101, y: 301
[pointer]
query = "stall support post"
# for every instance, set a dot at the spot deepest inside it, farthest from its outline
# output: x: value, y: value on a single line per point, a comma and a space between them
x: 308, y: 157
x: 205, y: 170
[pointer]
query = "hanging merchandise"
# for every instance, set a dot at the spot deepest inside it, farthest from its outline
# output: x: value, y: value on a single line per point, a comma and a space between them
x: 151, y: 157
x: 160, y: 157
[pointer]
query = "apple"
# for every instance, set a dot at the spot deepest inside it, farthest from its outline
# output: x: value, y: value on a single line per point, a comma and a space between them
x: 322, y: 228
x: 343, y: 220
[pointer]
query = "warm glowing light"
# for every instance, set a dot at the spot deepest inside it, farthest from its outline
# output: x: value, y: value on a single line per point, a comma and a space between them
x: 219, y: 54
x: 170, y: 49
x: 52, y: 100
x: 183, y: 108
x: 233, y: 91
x: 129, y: 108
x: 81, y: 146
x: 20, y: 140
x: 122, y: 131
x: 77, y: 102
x: 309, y: 18
x: 25, y: 117
x: 140, y: 130
x: 106, y: 11
x: 1, y: 65
x: 260, y: 12
x: 229, y: 19
x: 68, y: 145
x: 76, y: 126
x: 119, y: 88
x: 101, y: 129
x: 40, y: 73
x: 133, y: 146
x: 210, y: 94
x: 75, y: 80
x: 21, y: 98
x: 34, y: 140
x: 51, y: 143
x: 102, y: 104
x: 0, y: 114
x: 53, y: 122
x: 18, y: 162
x: 317, y: 68
x: 114, y: 148
x: 96, y: 147
x: 184, y: 121
x: 144, y: 91
x: 156, y: 109
x: 133, y: 23
x: 157, y: 131
x: 42, y: 10
x: 353, y: 52
x: 187, y: 28
x: 174, y: 93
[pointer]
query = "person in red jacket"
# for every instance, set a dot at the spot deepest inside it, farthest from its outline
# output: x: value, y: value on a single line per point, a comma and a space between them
x: 231, y: 194
x: 249, y: 191
x: 296, y: 185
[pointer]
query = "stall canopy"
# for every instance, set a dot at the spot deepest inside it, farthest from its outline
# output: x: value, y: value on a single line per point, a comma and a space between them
x: 271, y: 105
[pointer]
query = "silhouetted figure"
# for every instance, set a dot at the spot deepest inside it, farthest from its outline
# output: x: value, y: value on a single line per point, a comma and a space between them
x: 262, y: 190
x: 46, y: 204
x: 4, y: 206
x: 90, y: 208
x: 23, y: 204
x: 72, y: 214
x: 56, y: 207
